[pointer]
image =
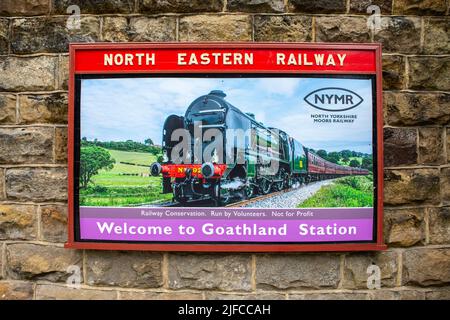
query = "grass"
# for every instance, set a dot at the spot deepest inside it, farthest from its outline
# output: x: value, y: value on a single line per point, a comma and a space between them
x: 118, y: 197
x: 344, y: 192
x: 115, y: 188
x: 116, y: 176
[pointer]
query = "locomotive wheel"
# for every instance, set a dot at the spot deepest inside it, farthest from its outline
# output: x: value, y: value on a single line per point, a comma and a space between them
x: 288, y: 181
x: 178, y: 196
x: 181, y: 200
x: 264, y: 186
x: 216, y: 196
x: 278, y: 186
x: 249, y: 191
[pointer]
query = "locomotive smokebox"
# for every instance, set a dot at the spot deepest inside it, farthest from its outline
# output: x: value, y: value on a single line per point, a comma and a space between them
x: 207, y: 170
x: 155, y: 169
x: 218, y: 93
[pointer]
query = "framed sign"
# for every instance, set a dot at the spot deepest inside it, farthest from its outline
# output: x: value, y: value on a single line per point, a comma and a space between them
x: 225, y: 147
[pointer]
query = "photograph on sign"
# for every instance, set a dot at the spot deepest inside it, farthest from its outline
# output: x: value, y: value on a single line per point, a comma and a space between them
x: 225, y: 158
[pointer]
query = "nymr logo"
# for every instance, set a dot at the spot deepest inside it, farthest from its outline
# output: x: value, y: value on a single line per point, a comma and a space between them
x: 333, y: 99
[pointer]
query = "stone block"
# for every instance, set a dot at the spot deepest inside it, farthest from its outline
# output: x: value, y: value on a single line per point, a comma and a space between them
x: 4, y: 35
x: 356, y: 265
x: 54, y: 223
x: 399, y: 34
x: 18, y: 222
x: 418, y: 186
x: 404, y: 227
x: 150, y: 295
x: 132, y: 269
x: 431, y: 146
x: 215, y: 28
x: 16, y: 290
x: 24, y: 7
x: 318, y: 6
x: 283, y: 28
x: 436, y: 36
x: 94, y: 6
x: 361, y: 6
x: 413, y: 109
x: 38, y: 184
x: 180, y: 6
x: 429, y: 73
x: 263, y: 6
x: 393, y: 72
x: 424, y: 7
x: 35, y: 73
x: 210, y: 271
x: 50, y: 34
x: 7, y: 109
x: 58, y: 292
x: 400, y: 146
x: 445, y: 185
x: 298, y: 271
x: 43, y: 108
x: 61, y: 145
x: 26, y: 145
x: 329, y: 296
x: 26, y: 261
x: 342, y: 29
x: 426, y: 266
x: 439, y: 225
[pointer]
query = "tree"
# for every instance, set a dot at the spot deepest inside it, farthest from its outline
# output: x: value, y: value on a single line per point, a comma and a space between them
x: 367, y: 163
x: 322, y: 153
x: 346, y: 154
x: 148, y: 142
x: 93, y: 159
x: 333, y: 157
x: 354, y: 163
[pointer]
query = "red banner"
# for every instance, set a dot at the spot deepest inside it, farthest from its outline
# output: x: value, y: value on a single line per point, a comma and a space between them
x: 149, y: 59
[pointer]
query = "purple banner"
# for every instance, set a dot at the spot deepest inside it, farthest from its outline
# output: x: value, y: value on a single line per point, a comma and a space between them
x: 226, y: 224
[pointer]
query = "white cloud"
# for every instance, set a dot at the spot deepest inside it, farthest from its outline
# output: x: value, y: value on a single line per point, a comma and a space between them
x: 279, y: 86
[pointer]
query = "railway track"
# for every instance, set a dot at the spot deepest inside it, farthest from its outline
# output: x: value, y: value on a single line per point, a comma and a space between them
x: 258, y: 198
x: 234, y: 203
x: 193, y: 203
x: 210, y: 203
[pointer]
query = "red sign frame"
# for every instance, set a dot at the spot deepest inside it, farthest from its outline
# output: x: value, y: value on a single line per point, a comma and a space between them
x: 89, y: 59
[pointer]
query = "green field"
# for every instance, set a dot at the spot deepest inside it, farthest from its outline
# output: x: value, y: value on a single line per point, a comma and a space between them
x: 344, y: 192
x: 116, y: 177
x: 116, y: 187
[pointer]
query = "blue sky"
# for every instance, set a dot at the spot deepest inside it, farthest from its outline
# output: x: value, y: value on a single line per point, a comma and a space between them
x: 135, y: 108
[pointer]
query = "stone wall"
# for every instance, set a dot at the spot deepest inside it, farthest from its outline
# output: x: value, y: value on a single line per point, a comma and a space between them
x: 33, y: 165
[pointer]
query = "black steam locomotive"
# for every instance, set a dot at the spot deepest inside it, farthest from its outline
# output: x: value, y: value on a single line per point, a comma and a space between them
x: 258, y: 160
